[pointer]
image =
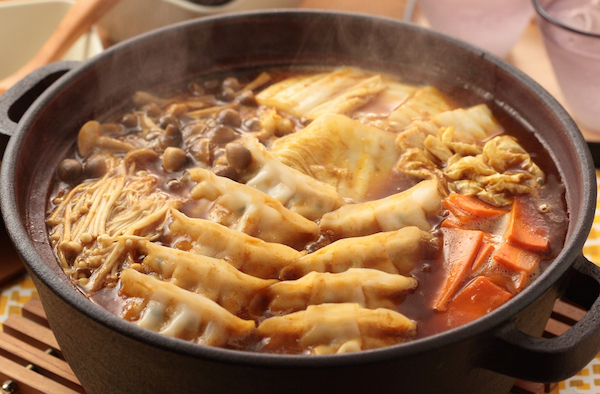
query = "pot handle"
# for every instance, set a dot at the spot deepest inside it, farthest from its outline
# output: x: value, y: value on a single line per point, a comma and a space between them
x: 16, y: 100
x: 548, y: 360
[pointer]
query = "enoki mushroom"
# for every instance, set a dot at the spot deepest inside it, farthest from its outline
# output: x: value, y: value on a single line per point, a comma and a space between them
x: 93, y: 222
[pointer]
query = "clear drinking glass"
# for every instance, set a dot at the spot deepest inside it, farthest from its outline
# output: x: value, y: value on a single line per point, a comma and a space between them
x: 494, y: 25
x: 571, y: 31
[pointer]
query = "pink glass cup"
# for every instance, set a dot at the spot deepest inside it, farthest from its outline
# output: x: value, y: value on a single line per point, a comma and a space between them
x: 493, y: 25
x: 571, y: 32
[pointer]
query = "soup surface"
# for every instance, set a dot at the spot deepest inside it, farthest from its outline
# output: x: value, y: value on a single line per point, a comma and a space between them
x: 314, y: 212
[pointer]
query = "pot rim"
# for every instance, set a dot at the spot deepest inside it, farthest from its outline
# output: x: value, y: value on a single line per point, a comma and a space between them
x: 69, y: 294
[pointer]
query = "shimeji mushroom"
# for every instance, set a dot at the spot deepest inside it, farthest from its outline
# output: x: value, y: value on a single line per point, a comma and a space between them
x: 91, y: 136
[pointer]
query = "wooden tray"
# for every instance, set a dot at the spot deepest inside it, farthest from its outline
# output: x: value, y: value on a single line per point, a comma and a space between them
x: 30, y: 358
x: 31, y: 361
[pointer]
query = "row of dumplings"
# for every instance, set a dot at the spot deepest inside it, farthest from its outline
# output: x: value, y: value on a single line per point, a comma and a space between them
x: 232, y: 281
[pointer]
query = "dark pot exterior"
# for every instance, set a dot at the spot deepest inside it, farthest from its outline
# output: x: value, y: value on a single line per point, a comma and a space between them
x: 118, y: 363
x: 110, y: 355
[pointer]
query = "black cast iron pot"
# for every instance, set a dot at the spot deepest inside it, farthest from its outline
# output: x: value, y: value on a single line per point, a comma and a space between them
x: 109, y: 355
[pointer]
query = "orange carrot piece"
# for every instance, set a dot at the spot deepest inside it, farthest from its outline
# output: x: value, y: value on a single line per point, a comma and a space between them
x: 499, y: 275
x: 455, y: 211
x: 485, y: 251
x: 516, y: 258
x: 452, y: 221
x: 526, y: 227
x: 473, y: 205
x: 520, y: 281
x: 513, y: 281
x: 477, y: 299
x: 460, y: 248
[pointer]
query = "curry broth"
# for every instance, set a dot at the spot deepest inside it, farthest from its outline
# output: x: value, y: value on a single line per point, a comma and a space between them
x: 217, y: 113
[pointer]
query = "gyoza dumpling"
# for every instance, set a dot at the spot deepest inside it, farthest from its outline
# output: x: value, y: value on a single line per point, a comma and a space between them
x: 250, y: 255
x: 335, y: 328
x: 213, y: 278
x: 408, y: 208
x: 342, y: 152
x: 246, y: 209
x: 170, y: 310
x: 297, y: 191
x: 367, y: 287
x: 395, y: 252
x: 309, y: 96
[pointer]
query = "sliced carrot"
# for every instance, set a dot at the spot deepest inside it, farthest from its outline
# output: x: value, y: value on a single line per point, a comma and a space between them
x: 517, y: 258
x: 455, y: 211
x: 485, y: 251
x: 519, y: 281
x: 460, y: 248
x: 513, y: 281
x: 499, y: 275
x: 477, y: 299
x: 526, y: 227
x: 468, y: 211
x: 452, y: 221
x: 472, y: 205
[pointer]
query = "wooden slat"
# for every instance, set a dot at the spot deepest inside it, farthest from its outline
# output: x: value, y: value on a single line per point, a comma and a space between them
x: 564, y: 316
x: 555, y: 328
x: 47, y: 364
x: 34, y: 311
x: 30, y: 332
x: 30, y: 356
x: 567, y: 313
x: 522, y: 387
x: 28, y: 381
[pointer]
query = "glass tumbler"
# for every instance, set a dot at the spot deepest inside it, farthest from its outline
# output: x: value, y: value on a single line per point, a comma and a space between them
x: 571, y: 32
x: 493, y: 25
